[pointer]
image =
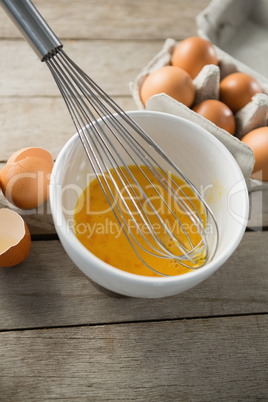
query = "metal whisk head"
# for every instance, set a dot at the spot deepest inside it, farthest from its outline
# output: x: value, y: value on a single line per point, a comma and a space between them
x: 112, y: 140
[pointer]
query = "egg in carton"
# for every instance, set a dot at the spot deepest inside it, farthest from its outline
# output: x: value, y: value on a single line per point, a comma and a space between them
x: 207, y: 86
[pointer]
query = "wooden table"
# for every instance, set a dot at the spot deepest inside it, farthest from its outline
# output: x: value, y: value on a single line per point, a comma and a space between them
x: 61, y: 336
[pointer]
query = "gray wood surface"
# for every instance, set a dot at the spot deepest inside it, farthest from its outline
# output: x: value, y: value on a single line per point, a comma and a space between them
x: 123, y: 19
x: 48, y: 290
x: 64, y: 338
x: 184, y: 360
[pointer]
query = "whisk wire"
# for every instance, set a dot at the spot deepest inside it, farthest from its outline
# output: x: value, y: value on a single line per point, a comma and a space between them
x: 82, y: 129
x: 74, y: 86
x: 135, y: 147
x: 111, y: 139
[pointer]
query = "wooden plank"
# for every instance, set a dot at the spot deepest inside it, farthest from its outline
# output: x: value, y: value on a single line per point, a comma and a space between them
x: 123, y: 19
x: 112, y: 64
x: 39, y: 122
x: 48, y: 290
x: 258, y: 214
x: 220, y: 359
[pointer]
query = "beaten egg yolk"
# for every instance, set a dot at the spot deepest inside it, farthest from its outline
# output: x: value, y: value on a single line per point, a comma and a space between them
x: 97, y: 228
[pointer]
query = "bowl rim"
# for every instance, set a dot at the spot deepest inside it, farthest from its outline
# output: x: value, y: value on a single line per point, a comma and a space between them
x: 73, y: 242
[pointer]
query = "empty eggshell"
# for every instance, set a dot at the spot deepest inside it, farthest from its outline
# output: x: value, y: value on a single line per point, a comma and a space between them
x: 25, y: 177
x: 15, y: 239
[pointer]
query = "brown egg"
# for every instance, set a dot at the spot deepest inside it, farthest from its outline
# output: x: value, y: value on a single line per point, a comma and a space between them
x: 25, y: 177
x: 257, y: 140
x: 218, y: 113
x: 170, y: 80
x: 192, y: 54
x: 15, y: 239
x: 237, y: 89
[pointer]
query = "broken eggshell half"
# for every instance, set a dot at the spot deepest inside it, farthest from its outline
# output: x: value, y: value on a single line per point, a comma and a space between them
x: 15, y: 238
x: 25, y: 177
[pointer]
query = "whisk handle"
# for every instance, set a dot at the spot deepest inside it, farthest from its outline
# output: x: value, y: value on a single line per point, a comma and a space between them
x: 33, y: 27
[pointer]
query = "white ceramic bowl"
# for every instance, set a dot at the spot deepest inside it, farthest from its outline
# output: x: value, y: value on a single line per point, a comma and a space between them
x: 203, y: 159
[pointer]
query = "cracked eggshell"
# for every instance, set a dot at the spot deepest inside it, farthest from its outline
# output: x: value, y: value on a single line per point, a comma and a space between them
x: 25, y: 177
x: 15, y: 238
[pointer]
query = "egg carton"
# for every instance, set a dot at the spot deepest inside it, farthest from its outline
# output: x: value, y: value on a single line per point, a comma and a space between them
x: 253, y: 115
x: 239, y: 29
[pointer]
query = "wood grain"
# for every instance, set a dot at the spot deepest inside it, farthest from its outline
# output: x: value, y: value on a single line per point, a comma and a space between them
x: 221, y: 359
x: 123, y: 19
x: 111, y: 64
x: 258, y: 213
x: 39, y: 122
x: 48, y: 290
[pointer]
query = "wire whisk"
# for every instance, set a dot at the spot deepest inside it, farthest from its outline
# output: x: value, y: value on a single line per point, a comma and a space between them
x: 113, y: 142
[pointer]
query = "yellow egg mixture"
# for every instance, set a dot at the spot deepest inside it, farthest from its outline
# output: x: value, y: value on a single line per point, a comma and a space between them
x: 98, y: 230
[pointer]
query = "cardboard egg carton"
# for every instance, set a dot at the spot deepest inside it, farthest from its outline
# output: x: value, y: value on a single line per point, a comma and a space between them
x: 239, y: 29
x: 253, y: 115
